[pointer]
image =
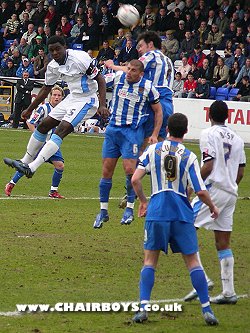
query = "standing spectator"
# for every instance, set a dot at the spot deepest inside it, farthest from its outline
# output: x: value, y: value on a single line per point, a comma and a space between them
x: 25, y: 66
x: 243, y: 94
x: 177, y: 84
x: 30, y: 34
x: 203, y: 89
x: 187, y: 45
x: 40, y: 64
x: 11, y: 29
x: 189, y: 87
x: 221, y: 73
x: 128, y: 53
x: 171, y: 44
x: 29, y: 10
x: 197, y: 57
x: 185, y: 68
x: 23, y: 97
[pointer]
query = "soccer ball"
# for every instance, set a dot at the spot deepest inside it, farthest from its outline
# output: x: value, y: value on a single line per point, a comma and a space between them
x: 128, y: 15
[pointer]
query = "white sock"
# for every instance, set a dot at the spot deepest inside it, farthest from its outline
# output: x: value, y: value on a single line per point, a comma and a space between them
x: 227, y: 276
x: 49, y: 149
x: 199, y: 259
x: 32, y: 149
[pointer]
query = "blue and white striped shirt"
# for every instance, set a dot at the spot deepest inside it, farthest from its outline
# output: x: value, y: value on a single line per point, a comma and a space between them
x: 172, y: 168
x: 131, y: 101
x: 39, y: 114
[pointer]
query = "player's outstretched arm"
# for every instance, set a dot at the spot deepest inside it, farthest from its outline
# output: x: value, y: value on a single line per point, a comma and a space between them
x: 102, y: 110
x: 137, y: 185
x: 110, y: 64
x: 157, y: 123
x: 205, y: 197
x: 43, y: 93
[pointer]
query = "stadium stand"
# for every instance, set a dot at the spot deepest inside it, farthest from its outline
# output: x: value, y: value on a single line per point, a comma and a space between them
x: 232, y: 93
x: 221, y: 94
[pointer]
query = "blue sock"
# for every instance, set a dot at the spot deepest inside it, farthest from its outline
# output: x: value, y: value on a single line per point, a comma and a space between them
x: 146, y: 284
x: 57, y: 176
x: 104, y: 188
x: 130, y: 190
x: 222, y: 254
x: 17, y: 176
x: 200, y: 285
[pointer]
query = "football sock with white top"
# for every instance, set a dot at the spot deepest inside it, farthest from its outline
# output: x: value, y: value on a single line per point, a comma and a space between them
x: 227, y: 271
x: 36, y: 141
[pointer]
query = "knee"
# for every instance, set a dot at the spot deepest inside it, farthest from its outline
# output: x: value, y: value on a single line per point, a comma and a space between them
x: 222, y: 244
x: 59, y: 165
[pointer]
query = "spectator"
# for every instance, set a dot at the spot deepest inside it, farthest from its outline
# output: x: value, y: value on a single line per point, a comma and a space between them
x: 214, y: 37
x: 53, y: 18
x: 4, y: 60
x: 106, y: 23
x: 25, y: 66
x: 105, y: 53
x: 149, y: 13
x: 23, y: 97
x: 29, y: 10
x: 161, y: 21
x: 195, y: 71
x: 189, y: 7
x: 239, y: 10
x: 91, y: 13
x: 184, y: 69
x: 5, y: 13
x: 245, y: 23
x: 197, y: 19
x: 234, y: 18
x: 222, y: 21
x: 17, y: 8
x: 40, y: 64
x: 187, y: 45
x: 237, y: 56
x: 244, y: 91
x: 211, y: 19
x: 119, y: 39
x: 23, y: 27
x: 30, y: 34
x: 197, y: 57
x: 212, y: 57
x: 89, y: 35
x: 189, y: 22
x: 10, y: 70
x: 203, y: 89
x: 11, y: 29
x: 245, y: 71
x: 41, y: 33
x: 47, y: 35
x: 75, y: 31
x: 201, y: 34
x: 128, y: 36
x: 174, y: 19
x: 128, y: 53
x: 35, y: 47
x: 204, y: 9
x: 227, y: 9
x: 240, y: 37
x: 205, y: 72
x: 74, y: 7
x: 180, y: 33
x: 171, y: 44
x: 176, y: 4
x: 230, y: 32
x: 178, y: 84
x: 80, y: 13
x: 65, y: 26
x: 233, y: 74
x: 16, y: 58
x: 189, y: 87
x: 221, y: 73
x: 117, y: 57
x: 228, y: 52
x: 23, y: 47
x: 39, y: 15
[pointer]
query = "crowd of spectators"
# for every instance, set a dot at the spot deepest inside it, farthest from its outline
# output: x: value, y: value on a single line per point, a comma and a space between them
x: 192, y: 32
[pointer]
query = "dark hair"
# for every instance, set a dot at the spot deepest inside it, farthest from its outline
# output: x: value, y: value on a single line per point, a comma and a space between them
x: 56, y: 39
x: 246, y: 78
x: 177, y: 125
x: 150, y: 36
x: 218, y: 111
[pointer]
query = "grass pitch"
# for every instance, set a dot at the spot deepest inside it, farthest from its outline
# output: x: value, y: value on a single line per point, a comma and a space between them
x: 50, y: 253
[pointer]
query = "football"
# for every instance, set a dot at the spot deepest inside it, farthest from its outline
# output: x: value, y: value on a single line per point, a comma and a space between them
x: 128, y: 15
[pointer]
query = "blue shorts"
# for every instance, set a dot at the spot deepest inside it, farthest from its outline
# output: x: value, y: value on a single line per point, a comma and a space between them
x: 122, y: 141
x: 167, y: 110
x: 181, y: 236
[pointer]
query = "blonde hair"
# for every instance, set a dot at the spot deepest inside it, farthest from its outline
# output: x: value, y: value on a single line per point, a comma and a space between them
x: 56, y: 87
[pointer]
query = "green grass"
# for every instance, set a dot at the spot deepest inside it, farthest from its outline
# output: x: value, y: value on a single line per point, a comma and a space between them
x: 50, y: 253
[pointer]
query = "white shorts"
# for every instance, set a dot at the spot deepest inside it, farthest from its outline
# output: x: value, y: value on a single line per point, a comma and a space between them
x: 224, y: 201
x: 75, y: 109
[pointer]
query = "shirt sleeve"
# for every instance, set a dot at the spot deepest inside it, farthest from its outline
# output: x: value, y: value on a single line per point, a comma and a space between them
x: 51, y: 76
x: 207, y: 147
x: 37, y: 116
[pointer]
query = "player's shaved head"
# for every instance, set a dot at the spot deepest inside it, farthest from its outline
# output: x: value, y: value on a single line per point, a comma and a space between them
x: 218, y: 111
x: 138, y: 64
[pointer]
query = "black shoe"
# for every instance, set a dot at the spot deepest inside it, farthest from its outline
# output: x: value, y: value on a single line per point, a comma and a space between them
x: 9, y: 162
x: 23, y: 168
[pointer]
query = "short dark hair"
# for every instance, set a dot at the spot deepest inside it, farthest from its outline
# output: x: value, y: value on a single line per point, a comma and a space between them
x: 177, y: 125
x: 218, y: 111
x: 56, y: 39
x: 150, y: 36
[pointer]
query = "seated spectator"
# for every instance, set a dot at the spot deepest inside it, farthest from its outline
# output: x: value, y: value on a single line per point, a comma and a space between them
x: 245, y: 22
x: 176, y: 4
x: 239, y: 10
x: 117, y: 57
x: 9, y: 70
x: 238, y: 55
x: 244, y: 91
x: 230, y: 32
x: 197, y: 19
x: 75, y: 31
x: 89, y: 35
x: 222, y: 21
x: 128, y: 36
x: 23, y: 27
x: 39, y: 15
x: 174, y: 19
x: 13, y: 46
x: 178, y: 84
x: 17, y: 8
x: 195, y: 71
x: 197, y: 57
x: 106, y: 23
x: 28, y: 10
x: 11, y: 29
x: 189, y: 87
x: 211, y: 19
x: 235, y: 19
x: 16, y: 58
x: 162, y: 21
x: 30, y: 34
x: 189, y: 7
x: 172, y: 45
x: 40, y: 64
x: 203, y: 89
x: 201, y: 34
x: 228, y: 52
x: 205, y: 72
x: 187, y: 45
x: 35, y: 47
x: 119, y: 39
x: 40, y: 32
x: 128, y: 53
x: 74, y: 7
x: 189, y: 22
x: 25, y: 66
x: 245, y: 71
x: 181, y: 31
x: 52, y: 18
x: 214, y: 37
x: 212, y: 57
x: 23, y: 47
x: 240, y: 37
x: 5, y: 13
x: 105, y: 53
x: 4, y: 60
x: 233, y: 74
x: 221, y: 74
x: 149, y: 13
x: 65, y: 26
x: 185, y: 68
